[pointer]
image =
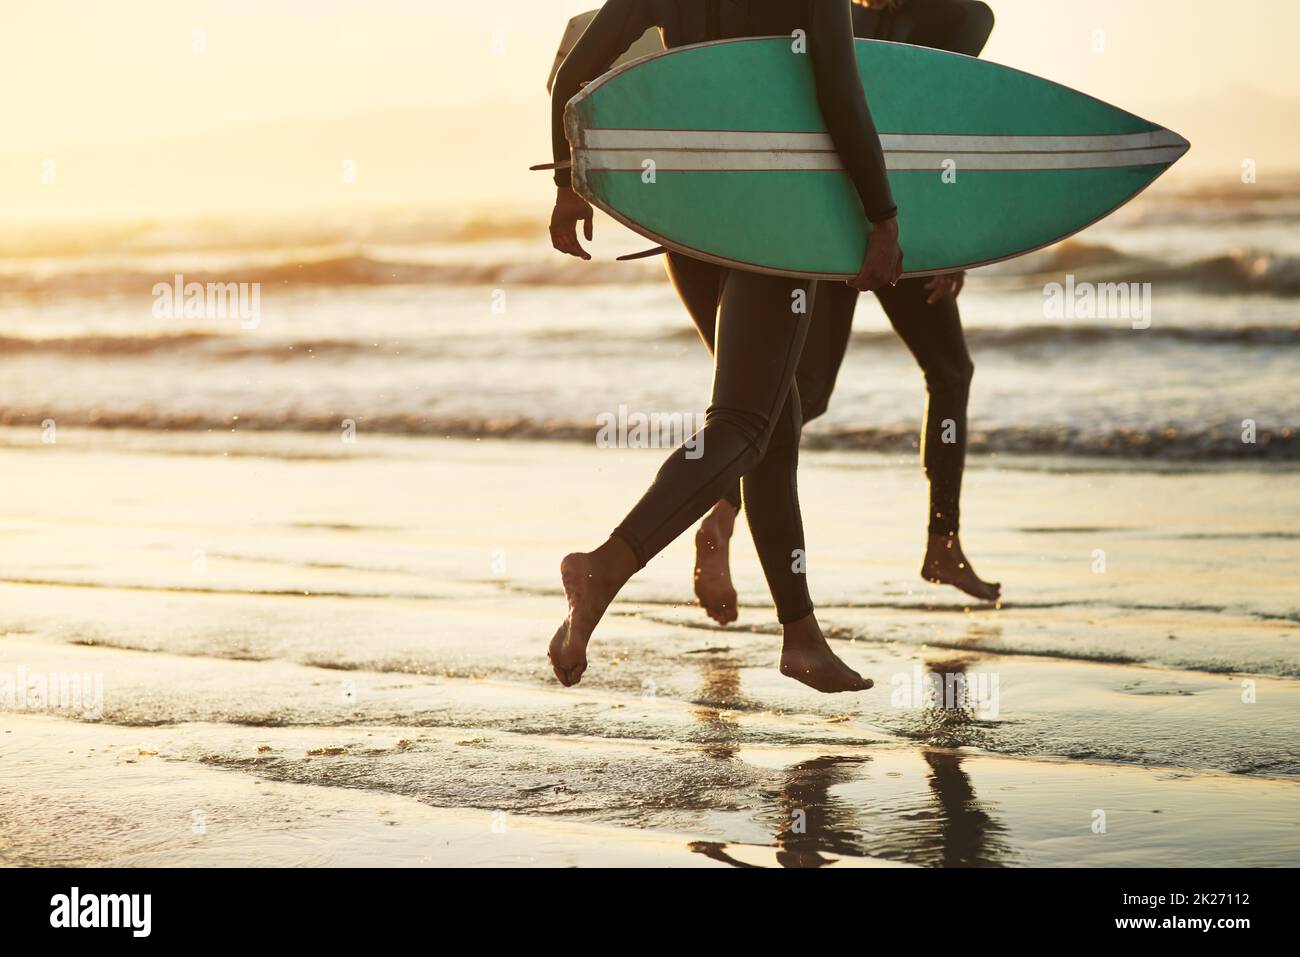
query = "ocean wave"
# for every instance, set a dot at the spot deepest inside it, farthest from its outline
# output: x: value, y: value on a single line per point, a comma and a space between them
x: 223, y: 234
x: 991, y: 338
x: 1153, y: 442
x: 231, y: 346
x: 1241, y: 272
x: 332, y: 272
x: 1244, y: 271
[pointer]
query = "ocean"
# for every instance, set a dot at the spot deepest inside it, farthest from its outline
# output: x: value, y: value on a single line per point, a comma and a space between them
x: 422, y: 324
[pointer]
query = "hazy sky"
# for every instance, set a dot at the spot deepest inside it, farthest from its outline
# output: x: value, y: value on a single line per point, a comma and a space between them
x: 137, y: 118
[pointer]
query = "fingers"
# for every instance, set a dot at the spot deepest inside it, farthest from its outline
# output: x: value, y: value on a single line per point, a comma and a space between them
x: 564, y: 237
x: 569, y: 210
x: 945, y: 287
x: 874, y: 276
x: 866, y: 280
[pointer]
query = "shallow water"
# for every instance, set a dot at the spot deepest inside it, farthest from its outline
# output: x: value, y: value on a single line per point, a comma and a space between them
x: 368, y: 623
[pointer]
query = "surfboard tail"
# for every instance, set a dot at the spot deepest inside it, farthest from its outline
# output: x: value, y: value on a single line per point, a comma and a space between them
x: 575, y: 124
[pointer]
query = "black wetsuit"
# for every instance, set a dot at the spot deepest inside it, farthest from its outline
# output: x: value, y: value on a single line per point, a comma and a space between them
x: 752, y: 326
x: 933, y: 333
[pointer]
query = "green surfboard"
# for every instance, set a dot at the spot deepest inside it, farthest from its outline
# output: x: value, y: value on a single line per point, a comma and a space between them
x: 719, y: 150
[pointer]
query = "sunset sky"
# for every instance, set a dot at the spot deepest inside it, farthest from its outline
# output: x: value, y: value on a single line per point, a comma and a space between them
x: 140, y: 123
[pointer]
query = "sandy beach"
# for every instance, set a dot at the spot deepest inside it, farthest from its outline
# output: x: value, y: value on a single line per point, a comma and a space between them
x: 316, y: 652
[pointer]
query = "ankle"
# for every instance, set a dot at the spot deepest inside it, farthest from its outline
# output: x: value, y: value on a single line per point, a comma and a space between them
x: 613, y: 563
x: 721, y: 521
x: 801, y: 633
x: 710, y: 535
x: 944, y: 540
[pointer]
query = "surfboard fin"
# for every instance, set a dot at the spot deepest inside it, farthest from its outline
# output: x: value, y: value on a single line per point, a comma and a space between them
x: 544, y: 166
x: 643, y: 254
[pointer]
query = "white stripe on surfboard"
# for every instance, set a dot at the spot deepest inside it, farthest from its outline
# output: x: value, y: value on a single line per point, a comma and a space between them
x: 754, y: 160
x: 779, y: 141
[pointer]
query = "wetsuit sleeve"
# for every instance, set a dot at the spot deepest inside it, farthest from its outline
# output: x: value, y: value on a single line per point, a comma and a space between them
x: 844, y: 105
x: 618, y: 25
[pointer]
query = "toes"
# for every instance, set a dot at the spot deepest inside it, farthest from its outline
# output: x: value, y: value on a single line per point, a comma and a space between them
x: 568, y: 676
x: 857, y: 682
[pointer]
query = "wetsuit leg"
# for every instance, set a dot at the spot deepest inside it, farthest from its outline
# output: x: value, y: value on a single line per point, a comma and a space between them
x: 823, y: 353
x: 699, y: 287
x: 751, y: 429
x: 770, y: 492
x: 934, y: 335
x: 828, y: 340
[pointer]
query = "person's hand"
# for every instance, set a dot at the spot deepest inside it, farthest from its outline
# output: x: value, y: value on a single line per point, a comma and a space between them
x: 570, y: 209
x: 883, y: 262
x: 947, y: 286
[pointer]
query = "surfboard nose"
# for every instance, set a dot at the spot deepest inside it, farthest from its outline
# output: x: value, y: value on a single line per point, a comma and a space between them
x: 1180, y: 143
x: 1173, y: 141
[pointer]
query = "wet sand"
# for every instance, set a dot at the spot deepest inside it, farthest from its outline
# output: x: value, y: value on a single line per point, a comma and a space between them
x: 320, y: 653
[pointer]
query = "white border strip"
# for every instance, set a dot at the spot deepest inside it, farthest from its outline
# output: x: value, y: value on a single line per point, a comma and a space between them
x: 778, y: 141
x: 756, y: 160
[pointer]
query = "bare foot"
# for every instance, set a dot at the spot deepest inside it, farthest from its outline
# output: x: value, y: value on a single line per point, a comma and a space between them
x: 591, y: 580
x: 946, y: 564
x: 807, y: 658
x: 713, y: 585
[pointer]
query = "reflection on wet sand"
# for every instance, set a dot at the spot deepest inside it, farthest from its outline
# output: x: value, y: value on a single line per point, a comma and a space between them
x: 964, y: 833
x: 809, y: 821
x: 831, y: 805
x: 719, y: 691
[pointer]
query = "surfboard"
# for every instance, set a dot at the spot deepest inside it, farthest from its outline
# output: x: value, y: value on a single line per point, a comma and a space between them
x: 719, y: 151
x: 650, y: 42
